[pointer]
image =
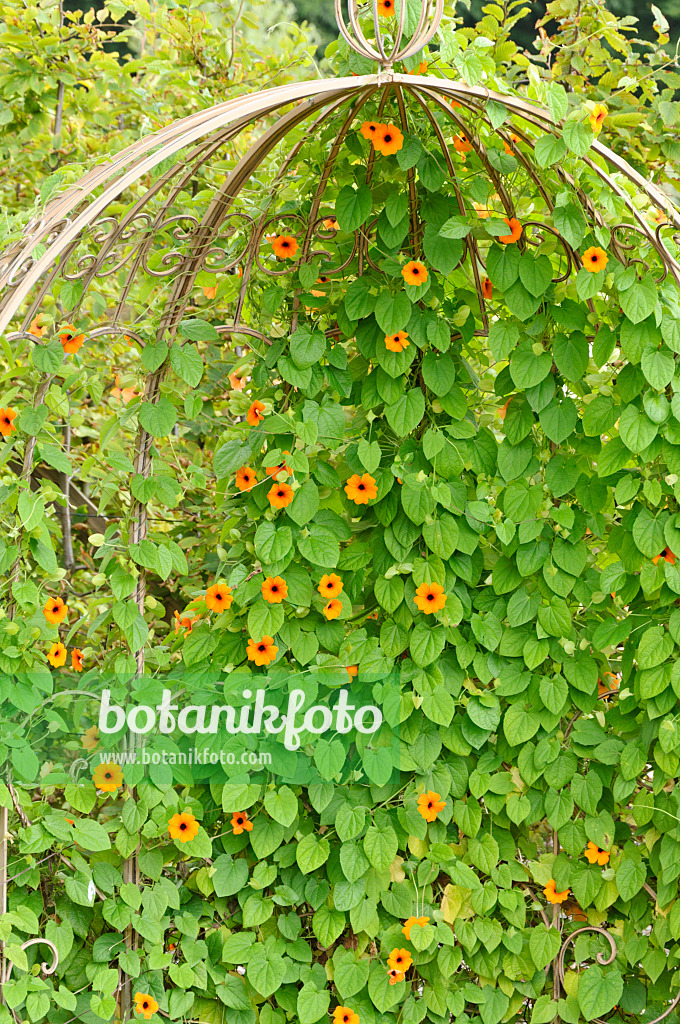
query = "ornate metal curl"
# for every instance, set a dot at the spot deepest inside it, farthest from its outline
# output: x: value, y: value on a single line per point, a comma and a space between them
x: 46, y: 969
x: 604, y: 961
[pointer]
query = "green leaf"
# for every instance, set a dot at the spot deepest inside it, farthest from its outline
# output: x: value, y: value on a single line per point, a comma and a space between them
x: 599, y: 991
x: 407, y: 412
x: 311, y: 852
x: 638, y: 302
x: 658, y: 366
x: 392, y: 311
x: 544, y: 944
x: 535, y: 273
x: 305, y: 504
x: 307, y: 346
x: 630, y: 877
x: 159, y: 419
x: 282, y: 805
x: 312, y: 1003
x: 578, y: 137
x: 439, y: 373
x: 353, y: 206
x: 187, y: 364
x: 559, y: 419
x: 198, y: 330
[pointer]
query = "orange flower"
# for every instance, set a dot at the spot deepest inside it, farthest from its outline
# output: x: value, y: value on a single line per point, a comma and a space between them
x: 513, y: 138
x: 515, y: 231
x: 237, y: 383
x: 254, y: 414
x: 184, y: 622
x: 352, y: 671
x: 330, y: 586
x: 145, y: 1005
x: 574, y: 910
x: 281, y: 468
x: 369, y: 129
x: 462, y: 144
x: 482, y: 211
x: 55, y: 611
x: 408, y: 924
x: 35, y: 329
x: 245, y: 478
x: 90, y: 738
x: 552, y: 896
x: 657, y: 217
x: 414, y: 272
x: 597, y: 117
x: 361, y: 489
x: 218, y: 597
x: 262, y: 651
x: 397, y: 342
x: 395, y: 976
x: 240, y: 823
x: 430, y: 805
x: 183, y: 827
x: 388, y: 139
x: 107, y: 777
x: 595, y: 259
x: 331, y: 224
x: 455, y: 104
x: 607, y: 688
x: 126, y: 394
x: 667, y: 556
x: 57, y: 655
x: 399, y: 960
x: 487, y: 288
x: 343, y: 1014
x: 77, y: 659
x: 210, y: 292
x: 332, y: 609
x: 324, y: 279
x: 280, y: 495
x: 430, y: 598
x: 274, y: 589
x: 70, y: 339
x: 285, y: 247
x: 7, y: 417
x: 420, y: 70
x: 386, y: 8
x: 594, y: 855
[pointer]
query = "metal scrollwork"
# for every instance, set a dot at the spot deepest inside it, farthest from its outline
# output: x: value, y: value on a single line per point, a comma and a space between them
x: 46, y: 969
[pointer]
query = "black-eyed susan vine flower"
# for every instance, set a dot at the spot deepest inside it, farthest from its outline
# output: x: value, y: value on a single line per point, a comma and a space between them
x: 183, y: 827
x: 108, y: 776
x: 430, y: 805
x: 595, y: 259
x: 145, y: 1005
x: 240, y: 823
x: 262, y: 651
x: 361, y: 489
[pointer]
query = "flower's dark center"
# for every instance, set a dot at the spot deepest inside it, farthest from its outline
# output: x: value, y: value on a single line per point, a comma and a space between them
x: 262, y: 647
x: 239, y: 821
x: 107, y: 775
x: 415, y: 271
x: 285, y: 244
x: 145, y: 1004
x: 362, y: 487
x: 430, y: 597
x: 183, y: 826
x: 275, y: 589
x: 430, y: 805
x: 388, y: 137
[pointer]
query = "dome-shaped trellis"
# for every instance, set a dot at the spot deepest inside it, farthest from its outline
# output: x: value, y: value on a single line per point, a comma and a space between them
x: 209, y: 198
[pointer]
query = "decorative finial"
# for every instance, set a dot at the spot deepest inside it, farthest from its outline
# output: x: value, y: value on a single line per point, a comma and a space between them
x: 404, y: 43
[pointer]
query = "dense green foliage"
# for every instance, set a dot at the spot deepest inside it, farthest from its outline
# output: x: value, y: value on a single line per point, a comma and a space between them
x: 520, y: 456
